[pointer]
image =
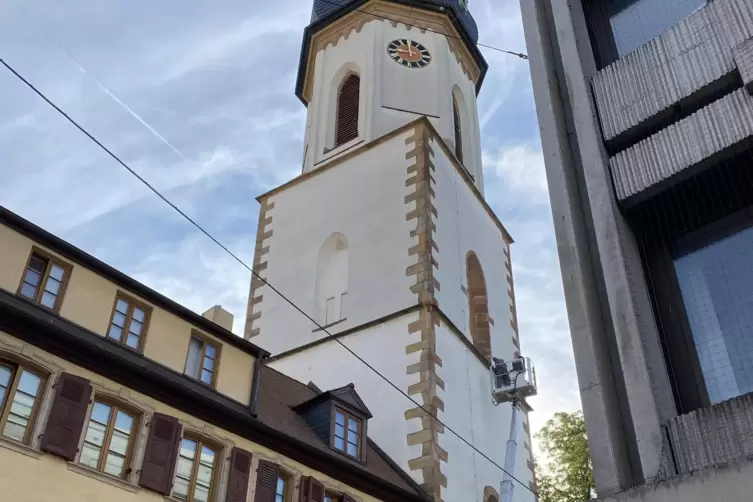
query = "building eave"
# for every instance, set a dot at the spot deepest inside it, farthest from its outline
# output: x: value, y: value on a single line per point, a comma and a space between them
x: 76, y: 255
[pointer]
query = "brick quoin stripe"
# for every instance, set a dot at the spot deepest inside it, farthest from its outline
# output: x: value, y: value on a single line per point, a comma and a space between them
x: 423, y: 330
x: 255, y: 296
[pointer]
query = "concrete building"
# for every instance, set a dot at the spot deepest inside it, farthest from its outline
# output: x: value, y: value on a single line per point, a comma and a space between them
x: 646, y: 122
x: 111, y: 392
x: 387, y: 240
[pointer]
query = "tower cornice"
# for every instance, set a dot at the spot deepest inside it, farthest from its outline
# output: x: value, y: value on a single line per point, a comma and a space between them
x: 432, y: 132
x: 419, y: 13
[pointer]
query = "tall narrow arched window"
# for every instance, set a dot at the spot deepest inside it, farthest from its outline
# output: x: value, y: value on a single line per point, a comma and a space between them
x: 331, y: 288
x: 458, y: 130
x: 348, y: 99
x: 478, y: 306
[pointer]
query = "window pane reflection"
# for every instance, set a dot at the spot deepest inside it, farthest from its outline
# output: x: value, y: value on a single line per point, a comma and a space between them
x: 636, y: 22
x: 716, y: 283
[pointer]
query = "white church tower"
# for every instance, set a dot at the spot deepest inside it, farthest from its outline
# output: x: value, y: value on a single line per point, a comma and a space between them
x: 387, y: 241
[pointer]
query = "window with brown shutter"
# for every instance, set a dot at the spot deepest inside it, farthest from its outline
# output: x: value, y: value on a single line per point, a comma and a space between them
x: 266, y: 482
x: 240, y: 471
x: 109, y: 438
x: 67, y: 415
x: 312, y: 490
x: 348, y: 99
x: 196, y: 472
x: 161, y: 454
x: 458, y: 130
x: 20, y: 390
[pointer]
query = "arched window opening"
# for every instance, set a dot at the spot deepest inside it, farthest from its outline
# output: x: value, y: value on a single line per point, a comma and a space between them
x: 490, y: 494
x: 332, y: 279
x: 478, y: 306
x: 348, y: 100
x: 458, y: 130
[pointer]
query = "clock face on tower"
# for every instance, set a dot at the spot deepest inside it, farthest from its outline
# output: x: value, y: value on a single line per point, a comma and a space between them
x: 409, y: 53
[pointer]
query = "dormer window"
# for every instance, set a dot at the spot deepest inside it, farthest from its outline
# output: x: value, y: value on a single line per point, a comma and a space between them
x: 340, y: 419
x: 346, y: 433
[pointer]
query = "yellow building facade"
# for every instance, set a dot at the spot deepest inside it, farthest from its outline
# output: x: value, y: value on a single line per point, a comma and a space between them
x: 110, y: 391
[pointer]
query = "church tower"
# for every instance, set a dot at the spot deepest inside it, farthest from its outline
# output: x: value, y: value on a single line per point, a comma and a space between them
x: 386, y: 240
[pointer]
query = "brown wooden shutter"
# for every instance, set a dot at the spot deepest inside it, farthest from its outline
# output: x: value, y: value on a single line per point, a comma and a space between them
x: 348, y: 99
x: 316, y: 490
x: 67, y: 416
x: 161, y: 454
x: 240, y: 471
x: 311, y: 490
x: 266, y: 482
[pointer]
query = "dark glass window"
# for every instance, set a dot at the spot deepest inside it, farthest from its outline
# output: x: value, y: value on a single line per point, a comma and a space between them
x: 201, y: 360
x: 618, y: 27
x: 716, y: 284
x: 346, y: 434
x: 44, y: 280
x: 635, y: 22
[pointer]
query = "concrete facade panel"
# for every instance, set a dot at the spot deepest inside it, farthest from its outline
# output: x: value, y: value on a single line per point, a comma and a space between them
x: 711, y: 436
x: 684, y: 144
x: 689, y: 56
x: 730, y: 483
x: 743, y: 54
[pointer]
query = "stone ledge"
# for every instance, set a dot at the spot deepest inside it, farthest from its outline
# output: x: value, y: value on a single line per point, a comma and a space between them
x: 101, y: 476
x: 680, y: 62
x: 687, y: 143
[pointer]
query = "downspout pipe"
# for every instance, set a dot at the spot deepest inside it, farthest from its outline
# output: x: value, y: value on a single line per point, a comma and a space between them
x: 255, y: 384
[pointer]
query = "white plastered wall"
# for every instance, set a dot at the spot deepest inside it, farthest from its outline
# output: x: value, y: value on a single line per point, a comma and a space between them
x: 469, y: 412
x: 329, y: 366
x: 390, y: 94
x: 464, y: 225
x: 361, y: 198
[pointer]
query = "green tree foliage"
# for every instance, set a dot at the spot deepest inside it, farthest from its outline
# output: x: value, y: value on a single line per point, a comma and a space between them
x: 568, y: 477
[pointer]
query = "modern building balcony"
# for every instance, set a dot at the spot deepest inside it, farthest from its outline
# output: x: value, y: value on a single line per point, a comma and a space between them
x: 690, y: 63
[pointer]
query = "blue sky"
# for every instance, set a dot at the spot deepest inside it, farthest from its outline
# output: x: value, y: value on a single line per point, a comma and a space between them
x: 215, y: 123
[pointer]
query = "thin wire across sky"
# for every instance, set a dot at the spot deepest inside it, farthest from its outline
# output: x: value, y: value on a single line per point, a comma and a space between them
x: 250, y: 269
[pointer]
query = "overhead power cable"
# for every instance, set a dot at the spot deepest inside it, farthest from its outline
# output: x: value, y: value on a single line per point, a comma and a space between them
x: 387, y: 18
x: 254, y: 273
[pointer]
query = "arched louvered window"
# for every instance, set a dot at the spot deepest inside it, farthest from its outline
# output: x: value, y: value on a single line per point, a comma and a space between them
x: 348, y: 98
x: 478, y: 306
x: 458, y: 131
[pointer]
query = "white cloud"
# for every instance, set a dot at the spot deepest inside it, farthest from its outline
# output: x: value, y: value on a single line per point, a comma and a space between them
x: 176, y: 271
x: 522, y: 168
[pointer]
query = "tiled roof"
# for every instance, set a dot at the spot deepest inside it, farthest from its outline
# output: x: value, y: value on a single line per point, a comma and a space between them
x: 278, y: 394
